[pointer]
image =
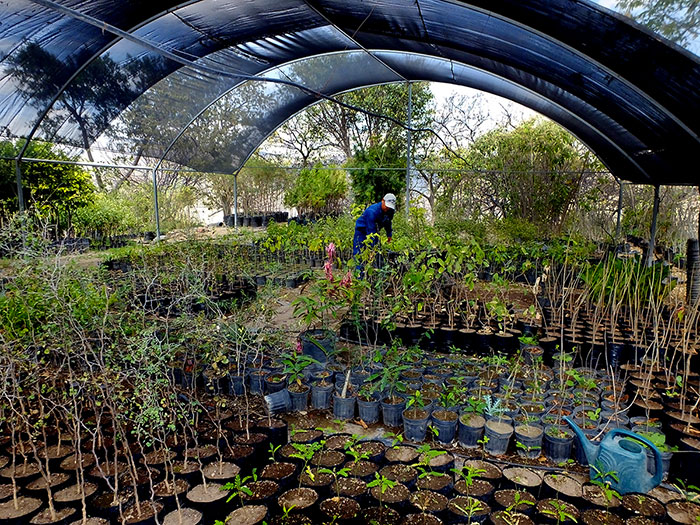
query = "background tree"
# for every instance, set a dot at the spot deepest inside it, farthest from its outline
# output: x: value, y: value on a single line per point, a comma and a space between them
x: 318, y: 191
x: 54, y: 191
x: 677, y: 20
x: 533, y: 172
x: 90, y: 102
x: 377, y: 171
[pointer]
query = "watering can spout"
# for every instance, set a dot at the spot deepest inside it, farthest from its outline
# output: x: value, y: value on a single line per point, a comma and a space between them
x: 589, y: 448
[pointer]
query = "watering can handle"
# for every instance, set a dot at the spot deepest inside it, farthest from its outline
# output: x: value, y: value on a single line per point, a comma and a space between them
x: 657, y: 455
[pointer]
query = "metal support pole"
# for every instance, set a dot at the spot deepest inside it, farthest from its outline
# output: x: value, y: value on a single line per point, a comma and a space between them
x: 408, y: 149
x: 20, y: 192
x: 618, y: 228
x: 155, y: 203
x: 235, y: 200
x: 650, y: 253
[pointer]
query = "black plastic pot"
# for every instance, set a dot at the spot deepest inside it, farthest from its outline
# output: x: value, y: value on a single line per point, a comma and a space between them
x: 272, y: 386
x: 321, y: 396
x: 317, y: 344
x: 368, y: 410
x: 498, y: 434
x: 555, y: 448
x: 415, y: 424
x: 278, y: 402
x: 530, y: 439
x: 343, y: 407
x: 445, y: 422
x: 391, y: 413
x: 300, y: 400
x: 471, y: 428
x: 237, y: 385
x: 256, y: 382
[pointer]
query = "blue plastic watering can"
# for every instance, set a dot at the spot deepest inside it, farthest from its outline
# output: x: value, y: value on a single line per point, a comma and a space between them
x: 620, y: 454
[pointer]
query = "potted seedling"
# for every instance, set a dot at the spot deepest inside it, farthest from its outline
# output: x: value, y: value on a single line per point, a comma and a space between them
x: 498, y: 428
x: 294, y: 366
x: 415, y: 418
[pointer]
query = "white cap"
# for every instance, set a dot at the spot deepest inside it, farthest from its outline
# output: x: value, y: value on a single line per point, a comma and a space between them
x: 390, y: 200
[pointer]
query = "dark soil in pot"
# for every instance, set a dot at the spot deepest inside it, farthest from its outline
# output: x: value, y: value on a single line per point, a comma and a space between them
x: 25, y: 507
x: 392, y: 495
x: 459, y: 505
x: 564, y: 484
x: 74, y: 493
x: 594, y: 495
x: 301, y: 499
x: 316, y: 479
x: 547, y: 512
x: 107, y: 505
x: 247, y: 515
x: 239, y: 453
x: 480, y: 489
x: 338, y: 441
x: 523, y: 477
x: 278, y: 471
x: 210, y: 493
x: 601, y: 517
x: 685, y: 512
x: 643, y: 505
x: 383, y: 515
x: 276, y: 429
x: 428, y: 501
x: 502, y: 518
x: 436, y: 481
x: 640, y: 520
x: 148, y: 510
x: 340, y: 508
x: 221, y: 470
x: 261, y: 491
x: 328, y: 458
x: 421, y: 519
x: 92, y: 521
x: 20, y: 471
x: 184, y: 517
x: 163, y: 489
x: 375, y: 449
x: 186, y: 470
x: 62, y: 516
x: 492, y: 472
x: 440, y: 463
x: 352, y: 487
x: 55, y: 451
x: 362, y: 469
x: 506, y: 499
x: 401, y: 454
x: 6, y: 491
x: 57, y: 479
x: 158, y: 457
x: 399, y: 472
x: 71, y: 463
x: 306, y: 436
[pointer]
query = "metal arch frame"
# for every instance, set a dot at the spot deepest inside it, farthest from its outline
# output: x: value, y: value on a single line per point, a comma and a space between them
x: 63, y: 88
x: 510, y: 21
x: 587, y: 57
x: 501, y: 80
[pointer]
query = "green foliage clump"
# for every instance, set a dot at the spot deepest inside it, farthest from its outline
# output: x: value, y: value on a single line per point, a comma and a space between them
x: 107, y: 215
x: 54, y: 191
x: 318, y: 191
x: 378, y: 171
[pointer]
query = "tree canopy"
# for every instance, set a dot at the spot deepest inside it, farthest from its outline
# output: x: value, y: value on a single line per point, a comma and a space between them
x: 54, y: 191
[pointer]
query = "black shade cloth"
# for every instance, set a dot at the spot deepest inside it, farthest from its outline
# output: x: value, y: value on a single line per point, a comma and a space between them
x: 632, y: 97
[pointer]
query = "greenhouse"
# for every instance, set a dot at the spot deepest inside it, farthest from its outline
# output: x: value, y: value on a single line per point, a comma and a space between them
x: 386, y: 262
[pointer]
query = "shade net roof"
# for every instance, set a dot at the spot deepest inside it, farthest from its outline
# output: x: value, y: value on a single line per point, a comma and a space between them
x: 157, y: 78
